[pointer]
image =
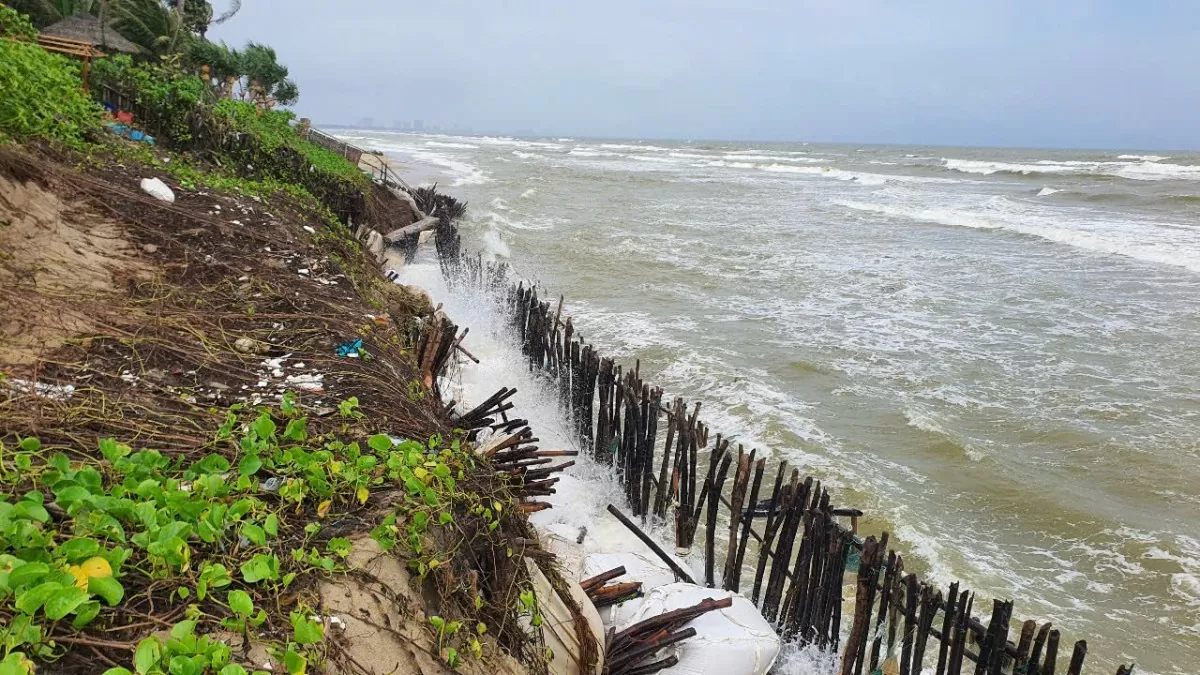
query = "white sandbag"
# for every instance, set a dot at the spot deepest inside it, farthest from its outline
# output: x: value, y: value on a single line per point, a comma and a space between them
x: 618, y: 614
x: 645, y: 568
x: 158, y: 189
x: 736, y: 640
x: 558, y: 627
x: 559, y: 539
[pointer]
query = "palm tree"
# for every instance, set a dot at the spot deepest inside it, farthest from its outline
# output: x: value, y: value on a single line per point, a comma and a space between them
x: 45, y: 12
x: 268, y: 78
x: 149, y: 24
x: 224, y: 63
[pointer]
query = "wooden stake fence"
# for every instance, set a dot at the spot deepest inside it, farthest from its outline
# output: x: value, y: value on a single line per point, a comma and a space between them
x: 801, y: 570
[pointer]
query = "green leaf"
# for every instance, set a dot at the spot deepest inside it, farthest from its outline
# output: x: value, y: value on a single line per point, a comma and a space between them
x: 182, y: 665
x: 31, y: 444
x: 340, y: 546
x: 240, y: 603
x: 147, y: 655
x: 86, y: 613
x: 295, y: 664
x: 78, y: 549
x: 32, y: 511
x: 183, y: 629
x: 264, y: 426
x: 260, y: 567
x: 305, y: 630
x: 108, y: 588
x: 233, y: 669
x: 65, y: 601
x: 255, y: 534
x: 249, y: 465
x: 117, y: 671
x: 30, y: 600
x: 380, y: 443
x: 112, y: 451
x: 27, y: 574
x: 296, y: 430
x: 271, y: 525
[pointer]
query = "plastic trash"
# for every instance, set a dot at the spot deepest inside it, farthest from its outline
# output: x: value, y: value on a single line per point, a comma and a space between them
x: 158, y: 189
x: 736, y: 640
x: 350, y: 349
x: 54, y: 392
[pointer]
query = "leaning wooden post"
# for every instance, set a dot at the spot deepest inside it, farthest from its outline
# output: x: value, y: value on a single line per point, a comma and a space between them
x: 679, y: 573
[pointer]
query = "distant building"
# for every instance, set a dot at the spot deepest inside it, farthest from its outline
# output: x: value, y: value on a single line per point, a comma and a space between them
x: 418, y: 125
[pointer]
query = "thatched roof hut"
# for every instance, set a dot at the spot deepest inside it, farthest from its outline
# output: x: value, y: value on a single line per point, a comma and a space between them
x: 89, y: 29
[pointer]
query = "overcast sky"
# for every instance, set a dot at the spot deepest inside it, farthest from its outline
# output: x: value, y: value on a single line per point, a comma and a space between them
x: 1057, y: 73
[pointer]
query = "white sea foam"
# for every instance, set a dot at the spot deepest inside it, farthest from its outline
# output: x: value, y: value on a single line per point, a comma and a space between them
x: 584, y: 490
x: 1047, y: 191
x: 528, y: 193
x: 772, y: 158
x: 494, y: 245
x: 1144, y: 170
x: 1144, y: 158
x: 985, y: 168
x: 627, y: 146
x: 457, y: 146
x: 807, y: 660
x: 1158, y: 171
x: 1145, y: 241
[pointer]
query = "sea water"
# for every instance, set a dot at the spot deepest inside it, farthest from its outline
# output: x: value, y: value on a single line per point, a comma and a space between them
x: 989, y: 351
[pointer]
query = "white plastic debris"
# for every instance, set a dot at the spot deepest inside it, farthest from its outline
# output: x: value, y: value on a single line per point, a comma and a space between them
x: 158, y: 189
x: 309, y: 229
x: 54, y: 392
x: 736, y: 640
x: 307, y: 381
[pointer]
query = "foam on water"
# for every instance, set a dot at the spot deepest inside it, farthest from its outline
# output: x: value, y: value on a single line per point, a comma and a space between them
x: 1168, y: 244
x: 1148, y: 170
x: 1002, y: 380
x: 585, y: 489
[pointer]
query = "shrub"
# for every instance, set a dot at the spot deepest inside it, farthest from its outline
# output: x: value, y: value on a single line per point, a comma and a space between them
x: 43, y: 92
x: 16, y: 25
x: 167, y: 93
x: 273, y: 131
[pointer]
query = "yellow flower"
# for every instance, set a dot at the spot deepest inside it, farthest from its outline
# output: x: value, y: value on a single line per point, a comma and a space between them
x: 96, y: 567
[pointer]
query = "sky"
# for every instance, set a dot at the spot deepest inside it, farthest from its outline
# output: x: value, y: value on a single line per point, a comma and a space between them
x: 1019, y: 73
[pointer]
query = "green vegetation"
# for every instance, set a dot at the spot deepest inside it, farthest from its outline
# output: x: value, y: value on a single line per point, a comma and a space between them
x: 42, y: 96
x: 179, y: 108
x: 168, y: 91
x: 79, y: 539
x: 272, y: 132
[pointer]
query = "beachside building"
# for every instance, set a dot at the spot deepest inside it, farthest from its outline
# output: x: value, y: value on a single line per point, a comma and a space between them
x: 89, y: 30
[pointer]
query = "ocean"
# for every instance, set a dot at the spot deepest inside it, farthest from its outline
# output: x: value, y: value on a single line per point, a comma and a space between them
x: 992, y: 352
